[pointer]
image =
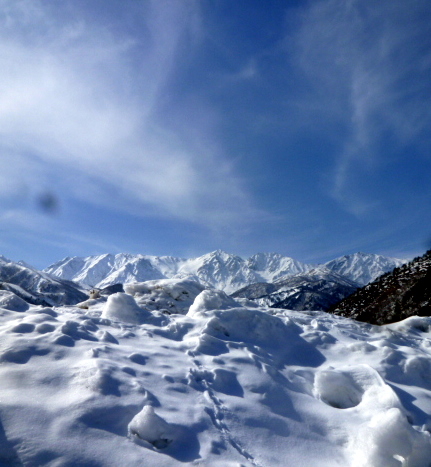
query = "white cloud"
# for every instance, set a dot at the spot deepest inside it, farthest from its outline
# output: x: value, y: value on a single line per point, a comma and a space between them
x: 83, y: 104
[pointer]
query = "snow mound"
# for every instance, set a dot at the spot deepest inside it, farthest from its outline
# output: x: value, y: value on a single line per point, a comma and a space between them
x: 239, y: 386
x: 254, y: 326
x: 150, y: 427
x: 419, y: 324
x: 389, y: 440
x: 123, y: 307
x: 167, y: 295
x: 384, y: 436
x: 10, y: 301
x: 209, y: 300
x: 261, y: 330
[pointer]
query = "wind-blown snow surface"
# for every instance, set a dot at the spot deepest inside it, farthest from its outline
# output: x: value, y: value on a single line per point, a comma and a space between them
x: 118, y: 383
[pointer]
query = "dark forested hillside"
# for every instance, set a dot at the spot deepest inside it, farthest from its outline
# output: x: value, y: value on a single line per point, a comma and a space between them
x: 404, y: 292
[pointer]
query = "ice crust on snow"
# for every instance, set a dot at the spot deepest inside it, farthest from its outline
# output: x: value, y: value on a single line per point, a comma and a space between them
x: 123, y: 383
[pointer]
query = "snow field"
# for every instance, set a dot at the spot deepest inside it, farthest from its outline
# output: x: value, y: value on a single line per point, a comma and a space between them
x: 209, y: 382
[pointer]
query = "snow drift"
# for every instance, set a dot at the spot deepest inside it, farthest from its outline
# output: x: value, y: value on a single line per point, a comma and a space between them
x: 121, y: 383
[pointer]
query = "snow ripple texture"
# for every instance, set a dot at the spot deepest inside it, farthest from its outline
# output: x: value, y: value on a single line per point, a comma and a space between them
x: 135, y: 381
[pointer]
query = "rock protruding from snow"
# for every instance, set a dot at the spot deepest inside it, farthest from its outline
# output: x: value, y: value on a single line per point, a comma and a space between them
x: 209, y: 300
x: 166, y: 295
x: 123, y: 307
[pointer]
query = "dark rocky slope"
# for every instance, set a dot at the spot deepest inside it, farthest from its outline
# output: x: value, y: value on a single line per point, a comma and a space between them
x: 404, y: 292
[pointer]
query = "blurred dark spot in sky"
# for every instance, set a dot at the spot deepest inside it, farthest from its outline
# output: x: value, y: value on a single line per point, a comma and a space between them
x: 48, y: 202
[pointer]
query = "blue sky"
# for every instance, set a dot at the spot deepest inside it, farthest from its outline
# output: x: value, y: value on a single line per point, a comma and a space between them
x: 179, y: 127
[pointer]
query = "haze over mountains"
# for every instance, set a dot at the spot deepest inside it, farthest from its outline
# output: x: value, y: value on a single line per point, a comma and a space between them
x: 217, y: 269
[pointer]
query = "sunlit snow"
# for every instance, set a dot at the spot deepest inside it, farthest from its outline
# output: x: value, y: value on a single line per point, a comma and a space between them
x: 170, y: 374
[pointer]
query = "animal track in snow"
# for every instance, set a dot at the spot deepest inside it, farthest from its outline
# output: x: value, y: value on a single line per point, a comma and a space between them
x: 203, y: 379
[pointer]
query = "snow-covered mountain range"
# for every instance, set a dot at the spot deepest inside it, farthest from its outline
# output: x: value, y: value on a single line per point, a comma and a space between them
x: 37, y: 287
x: 218, y: 269
x: 316, y: 289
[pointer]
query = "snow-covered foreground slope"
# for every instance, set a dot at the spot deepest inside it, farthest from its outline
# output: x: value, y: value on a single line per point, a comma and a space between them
x: 118, y: 384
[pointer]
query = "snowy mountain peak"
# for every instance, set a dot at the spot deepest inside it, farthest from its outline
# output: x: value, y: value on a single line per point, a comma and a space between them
x: 217, y: 269
x: 220, y: 253
x: 272, y: 266
x: 362, y: 267
x: 322, y: 272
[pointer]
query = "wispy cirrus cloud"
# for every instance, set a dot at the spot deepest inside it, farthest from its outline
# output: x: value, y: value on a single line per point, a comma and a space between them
x: 81, y: 104
x: 366, y: 66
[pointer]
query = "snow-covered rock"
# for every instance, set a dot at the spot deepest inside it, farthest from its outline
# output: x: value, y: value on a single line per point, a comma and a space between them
x: 123, y: 307
x: 167, y: 295
x: 150, y: 427
x: 209, y: 300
